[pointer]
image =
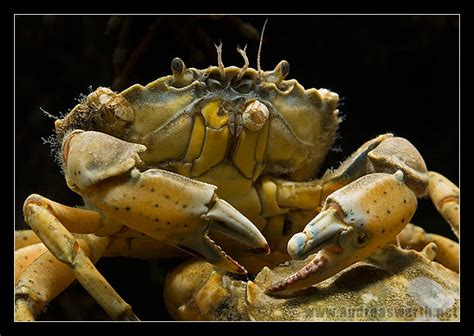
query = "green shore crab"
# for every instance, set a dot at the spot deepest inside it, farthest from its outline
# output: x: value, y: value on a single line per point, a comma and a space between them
x: 219, y: 163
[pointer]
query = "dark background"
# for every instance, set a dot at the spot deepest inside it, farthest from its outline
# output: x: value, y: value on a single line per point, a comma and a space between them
x: 396, y: 73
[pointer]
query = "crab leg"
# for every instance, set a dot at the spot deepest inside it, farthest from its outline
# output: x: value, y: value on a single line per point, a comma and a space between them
x: 25, y: 238
x: 25, y: 256
x: 47, y: 276
x: 445, y: 196
x: 355, y: 221
x: 415, y: 237
x: 448, y: 251
x: 44, y: 217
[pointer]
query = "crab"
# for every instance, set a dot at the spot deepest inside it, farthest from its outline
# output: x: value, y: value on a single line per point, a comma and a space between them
x: 219, y: 164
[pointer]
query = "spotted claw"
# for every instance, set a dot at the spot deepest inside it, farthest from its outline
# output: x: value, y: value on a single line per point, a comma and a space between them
x: 160, y: 204
x: 354, y: 222
x: 228, y: 221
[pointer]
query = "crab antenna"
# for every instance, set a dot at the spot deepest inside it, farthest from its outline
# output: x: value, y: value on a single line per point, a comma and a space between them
x: 246, y: 60
x: 259, y: 69
x: 219, y: 59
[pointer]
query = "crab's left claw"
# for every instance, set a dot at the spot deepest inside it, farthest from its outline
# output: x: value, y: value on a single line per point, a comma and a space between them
x: 355, y: 221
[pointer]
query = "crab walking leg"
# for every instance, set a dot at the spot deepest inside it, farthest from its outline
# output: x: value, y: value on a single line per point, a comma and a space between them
x: 46, y: 277
x: 39, y: 214
x: 448, y: 251
x: 25, y: 238
x: 354, y: 222
x: 445, y: 196
x: 25, y: 256
x: 415, y: 237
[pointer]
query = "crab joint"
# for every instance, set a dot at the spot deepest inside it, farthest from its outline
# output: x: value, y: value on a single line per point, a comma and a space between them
x: 255, y: 115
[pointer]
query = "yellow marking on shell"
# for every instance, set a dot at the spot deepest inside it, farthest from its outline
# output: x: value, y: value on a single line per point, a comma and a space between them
x: 244, y: 157
x: 196, y: 141
x: 213, y: 116
x: 213, y: 152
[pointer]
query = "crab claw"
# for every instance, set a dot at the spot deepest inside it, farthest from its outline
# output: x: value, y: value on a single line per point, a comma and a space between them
x: 354, y: 222
x: 322, y: 231
x: 160, y: 204
x: 227, y: 220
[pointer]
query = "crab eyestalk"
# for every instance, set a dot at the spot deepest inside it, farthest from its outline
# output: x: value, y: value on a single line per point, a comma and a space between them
x: 355, y: 221
x: 181, y: 75
x: 278, y: 74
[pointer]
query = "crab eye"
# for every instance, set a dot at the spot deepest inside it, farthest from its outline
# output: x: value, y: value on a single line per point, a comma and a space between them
x: 285, y: 68
x: 177, y: 65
